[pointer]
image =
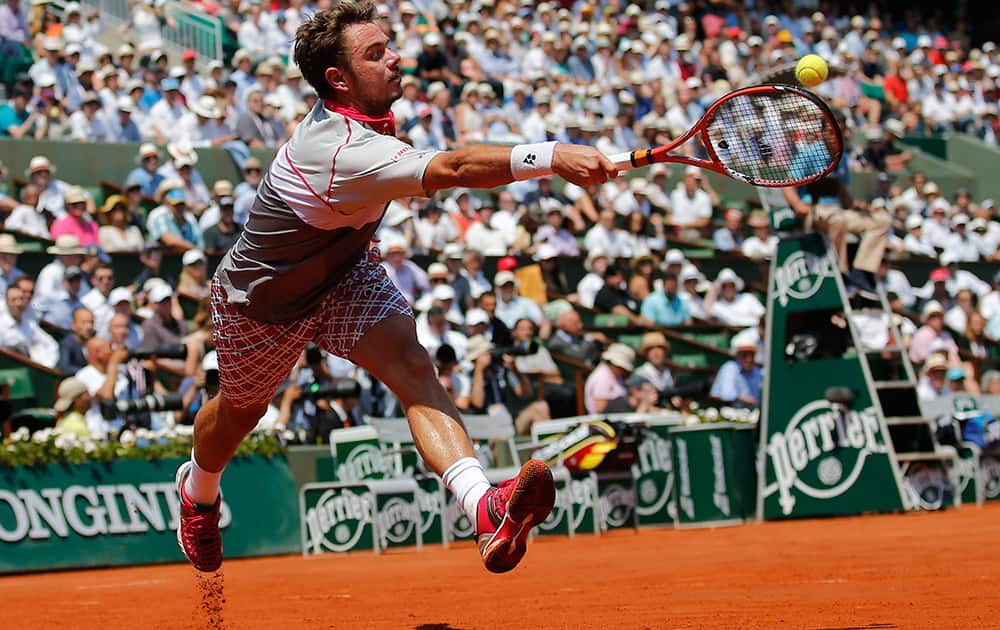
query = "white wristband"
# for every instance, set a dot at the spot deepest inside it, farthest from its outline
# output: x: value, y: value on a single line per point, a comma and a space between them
x: 532, y: 160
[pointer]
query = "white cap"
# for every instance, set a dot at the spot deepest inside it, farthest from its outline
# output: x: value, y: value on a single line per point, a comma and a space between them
x: 674, y: 257
x: 546, y: 251
x: 118, y: 295
x: 210, y: 362
x: 443, y: 292
x: 728, y: 275
x: 432, y: 39
x: 453, y: 251
x: 192, y: 256
x: 476, y: 316
x: 503, y: 277
x: 914, y: 221
x: 692, y: 170
x: 437, y: 269
x: 160, y: 292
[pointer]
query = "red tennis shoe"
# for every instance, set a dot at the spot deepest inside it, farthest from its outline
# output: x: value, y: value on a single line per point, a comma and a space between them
x: 508, y: 512
x: 198, y: 529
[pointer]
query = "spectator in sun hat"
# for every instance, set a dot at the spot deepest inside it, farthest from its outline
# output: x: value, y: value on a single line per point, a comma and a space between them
x: 729, y: 305
x: 989, y: 305
x: 245, y: 191
x: 596, y: 263
x: 51, y: 191
x: 408, y: 277
x: 554, y: 232
x: 147, y: 174
x: 932, y: 335
x: 121, y: 126
x: 68, y: 253
x: 693, y: 285
x: 57, y: 308
x: 221, y: 236
x: 739, y: 380
x: 959, y: 243
x: 654, y: 349
x: 607, y: 381
x: 933, y: 382
x: 194, y: 279
x: 117, y: 234
x: 9, y: 271
x: 71, y: 406
x: 608, y: 238
x: 183, y: 159
x: 76, y: 221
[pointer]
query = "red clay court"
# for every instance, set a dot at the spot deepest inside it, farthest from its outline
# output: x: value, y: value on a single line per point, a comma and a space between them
x: 923, y: 570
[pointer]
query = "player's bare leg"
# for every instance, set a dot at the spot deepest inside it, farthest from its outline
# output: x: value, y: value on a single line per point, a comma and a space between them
x: 503, y: 516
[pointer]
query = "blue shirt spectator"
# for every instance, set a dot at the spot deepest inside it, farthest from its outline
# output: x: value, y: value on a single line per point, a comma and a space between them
x: 666, y: 307
x: 739, y: 380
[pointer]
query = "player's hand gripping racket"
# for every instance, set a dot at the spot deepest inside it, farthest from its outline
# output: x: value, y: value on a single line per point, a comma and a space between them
x: 766, y: 135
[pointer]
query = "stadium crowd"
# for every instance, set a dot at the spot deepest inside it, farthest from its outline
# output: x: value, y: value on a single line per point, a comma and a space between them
x: 614, y: 76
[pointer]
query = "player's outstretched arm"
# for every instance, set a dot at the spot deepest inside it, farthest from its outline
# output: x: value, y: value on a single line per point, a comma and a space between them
x: 488, y: 166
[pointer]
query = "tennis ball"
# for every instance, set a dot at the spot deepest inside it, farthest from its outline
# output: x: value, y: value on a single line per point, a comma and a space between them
x: 811, y: 70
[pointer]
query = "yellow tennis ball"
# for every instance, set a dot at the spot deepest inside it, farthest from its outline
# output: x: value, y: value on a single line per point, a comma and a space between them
x: 811, y: 70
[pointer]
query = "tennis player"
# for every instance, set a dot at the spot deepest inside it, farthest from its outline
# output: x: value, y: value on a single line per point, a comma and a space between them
x: 304, y: 270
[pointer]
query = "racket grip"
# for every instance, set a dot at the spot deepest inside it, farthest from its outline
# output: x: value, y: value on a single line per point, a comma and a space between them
x: 622, y: 161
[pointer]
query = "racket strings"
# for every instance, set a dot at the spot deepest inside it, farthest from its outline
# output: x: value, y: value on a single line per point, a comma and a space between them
x: 773, y: 137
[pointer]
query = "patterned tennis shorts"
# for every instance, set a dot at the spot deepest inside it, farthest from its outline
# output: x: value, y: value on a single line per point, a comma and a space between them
x: 255, y: 357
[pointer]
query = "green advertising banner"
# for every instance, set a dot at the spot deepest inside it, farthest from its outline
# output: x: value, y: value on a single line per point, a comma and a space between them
x: 655, y: 483
x: 65, y: 516
x: 336, y: 517
x: 714, y: 473
x: 815, y: 459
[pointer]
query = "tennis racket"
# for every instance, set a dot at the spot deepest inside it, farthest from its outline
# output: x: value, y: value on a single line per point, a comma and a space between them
x: 774, y: 136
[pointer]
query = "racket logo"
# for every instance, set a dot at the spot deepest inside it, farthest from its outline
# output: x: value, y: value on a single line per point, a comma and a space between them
x: 530, y: 159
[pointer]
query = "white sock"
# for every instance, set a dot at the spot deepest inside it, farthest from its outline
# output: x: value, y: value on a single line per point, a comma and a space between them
x: 202, y: 486
x: 467, y: 481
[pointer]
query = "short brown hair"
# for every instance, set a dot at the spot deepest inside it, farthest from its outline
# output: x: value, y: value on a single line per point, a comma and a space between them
x: 319, y: 42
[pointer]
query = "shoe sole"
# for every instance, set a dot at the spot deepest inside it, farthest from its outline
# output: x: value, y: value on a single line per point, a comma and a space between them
x: 182, y: 471
x: 529, y: 504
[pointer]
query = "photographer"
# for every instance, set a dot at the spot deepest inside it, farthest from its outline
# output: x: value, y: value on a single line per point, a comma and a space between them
x: 497, y: 381
x: 315, y: 402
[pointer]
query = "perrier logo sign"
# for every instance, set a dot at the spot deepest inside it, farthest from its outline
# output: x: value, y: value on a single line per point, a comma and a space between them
x: 339, y: 519
x: 800, y: 276
x: 821, y: 452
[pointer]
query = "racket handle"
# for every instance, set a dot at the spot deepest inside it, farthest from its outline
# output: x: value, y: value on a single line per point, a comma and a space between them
x: 622, y: 161
x: 634, y: 159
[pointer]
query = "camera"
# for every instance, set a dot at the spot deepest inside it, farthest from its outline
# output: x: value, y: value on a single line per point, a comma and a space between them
x: 337, y: 388
x: 162, y: 351
x: 111, y: 409
x: 516, y: 350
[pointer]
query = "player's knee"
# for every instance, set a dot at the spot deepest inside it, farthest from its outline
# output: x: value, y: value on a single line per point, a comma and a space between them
x: 241, y: 418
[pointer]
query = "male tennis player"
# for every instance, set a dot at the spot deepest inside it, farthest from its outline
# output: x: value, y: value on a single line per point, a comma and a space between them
x: 302, y: 271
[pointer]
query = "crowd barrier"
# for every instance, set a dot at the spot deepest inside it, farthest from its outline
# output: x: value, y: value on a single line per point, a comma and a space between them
x: 125, y: 513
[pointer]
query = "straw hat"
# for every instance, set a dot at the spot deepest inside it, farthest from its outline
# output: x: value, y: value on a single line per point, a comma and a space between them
x: 66, y: 245
x: 8, y: 245
x: 182, y: 152
x: 477, y: 346
x: 206, y: 107
x: 39, y: 163
x: 111, y: 202
x: 653, y: 340
x: 620, y: 355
